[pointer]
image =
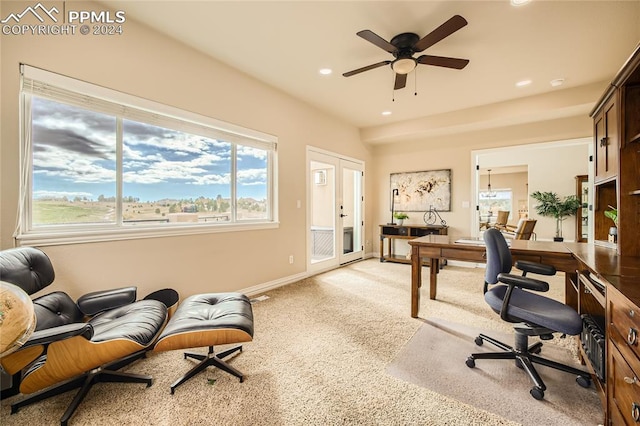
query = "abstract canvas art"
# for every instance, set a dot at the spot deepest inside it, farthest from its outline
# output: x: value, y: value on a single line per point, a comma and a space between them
x: 421, y: 191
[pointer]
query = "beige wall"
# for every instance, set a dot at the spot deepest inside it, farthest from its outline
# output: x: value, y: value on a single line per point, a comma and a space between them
x: 147, y: 64
x: 454, y: 152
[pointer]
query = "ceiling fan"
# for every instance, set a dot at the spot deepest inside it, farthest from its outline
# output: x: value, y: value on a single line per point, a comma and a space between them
x: 403, y: 46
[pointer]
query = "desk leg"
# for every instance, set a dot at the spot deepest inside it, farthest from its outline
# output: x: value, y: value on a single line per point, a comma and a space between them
x: 434, y: 267
x: 416, y: 280
x: 570, y: 293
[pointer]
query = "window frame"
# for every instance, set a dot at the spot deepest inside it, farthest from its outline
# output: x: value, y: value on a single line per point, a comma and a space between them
x: 63, y: 89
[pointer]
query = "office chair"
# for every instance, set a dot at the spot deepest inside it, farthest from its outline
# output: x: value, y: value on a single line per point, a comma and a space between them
x: 75, y: 344
x: 535, y: 315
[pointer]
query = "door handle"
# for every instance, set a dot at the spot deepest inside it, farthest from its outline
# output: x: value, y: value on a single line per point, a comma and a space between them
x: 343, y: 215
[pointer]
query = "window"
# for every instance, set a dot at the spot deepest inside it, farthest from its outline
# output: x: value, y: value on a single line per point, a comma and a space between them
x: 490, y: 206
x: 100, y: 164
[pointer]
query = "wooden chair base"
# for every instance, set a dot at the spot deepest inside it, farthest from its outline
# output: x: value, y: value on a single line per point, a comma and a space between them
x: 106, y: 373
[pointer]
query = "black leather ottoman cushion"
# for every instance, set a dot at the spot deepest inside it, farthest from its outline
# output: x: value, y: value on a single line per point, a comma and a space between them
x: 208, y: 320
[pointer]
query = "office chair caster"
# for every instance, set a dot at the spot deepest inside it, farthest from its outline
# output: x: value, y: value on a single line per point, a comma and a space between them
x: 479, y: 341
x: 471, y: 363
x: 584, y: 381
x: 537, y: 393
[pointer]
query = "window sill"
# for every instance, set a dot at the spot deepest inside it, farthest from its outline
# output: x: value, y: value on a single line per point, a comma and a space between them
x: 78, y: 237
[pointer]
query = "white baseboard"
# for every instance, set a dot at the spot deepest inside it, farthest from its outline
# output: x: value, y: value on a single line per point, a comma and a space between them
x: 270, y: 285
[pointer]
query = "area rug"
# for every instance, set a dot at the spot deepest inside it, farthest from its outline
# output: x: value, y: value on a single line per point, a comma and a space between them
x: 434, y: 358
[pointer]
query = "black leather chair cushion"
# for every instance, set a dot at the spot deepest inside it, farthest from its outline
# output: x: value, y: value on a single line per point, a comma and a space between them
x: 534, y: 309
x: 55, y: 309
x: 211, y: 311
x: 27, y: 267
x: 98, y: 301
x: 138, y: 322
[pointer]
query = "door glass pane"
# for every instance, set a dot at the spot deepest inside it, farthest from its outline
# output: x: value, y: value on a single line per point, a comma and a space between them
x: 322, y: 211
x: 351, y: 214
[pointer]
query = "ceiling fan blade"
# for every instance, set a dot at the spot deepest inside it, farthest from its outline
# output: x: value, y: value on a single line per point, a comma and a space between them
x: 443, y: 61
x: 374, y: 38
x: 367, y: 68
x: 401, y: 81
x: 444, y: 30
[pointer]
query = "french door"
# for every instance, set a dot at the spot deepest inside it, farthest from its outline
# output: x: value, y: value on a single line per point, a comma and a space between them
x: 335, y: 206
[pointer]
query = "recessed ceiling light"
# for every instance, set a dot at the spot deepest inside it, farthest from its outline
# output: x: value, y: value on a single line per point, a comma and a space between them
x: 519, y: 2
x: 523, y: 83
x: 557, y: 82
x: 325, y: 71
x: 386, y: 112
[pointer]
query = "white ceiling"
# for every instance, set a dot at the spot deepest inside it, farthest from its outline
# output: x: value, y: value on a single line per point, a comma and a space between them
x: 285, y: 43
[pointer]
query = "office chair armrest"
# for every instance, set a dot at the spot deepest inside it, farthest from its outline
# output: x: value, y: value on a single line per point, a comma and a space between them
x: 523, y: 282
x: 55, y: 334
x: 93, y: 303
x: 534, y: 267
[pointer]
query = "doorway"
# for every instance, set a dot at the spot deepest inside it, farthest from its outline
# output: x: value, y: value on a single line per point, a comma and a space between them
x: 335, y: 206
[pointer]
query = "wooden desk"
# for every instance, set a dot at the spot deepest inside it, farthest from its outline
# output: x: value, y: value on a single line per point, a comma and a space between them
x: 436, y: 247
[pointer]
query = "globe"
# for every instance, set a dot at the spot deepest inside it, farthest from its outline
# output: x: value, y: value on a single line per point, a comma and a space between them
x: 17, y: 317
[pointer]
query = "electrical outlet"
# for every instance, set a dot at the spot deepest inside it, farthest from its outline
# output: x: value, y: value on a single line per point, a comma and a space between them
x: 291, y: 259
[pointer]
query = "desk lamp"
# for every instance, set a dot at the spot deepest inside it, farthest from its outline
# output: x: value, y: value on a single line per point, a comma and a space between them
x: 394, y: 192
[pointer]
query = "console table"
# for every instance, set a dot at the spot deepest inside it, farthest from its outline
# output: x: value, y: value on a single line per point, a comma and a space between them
x: 405, y: 232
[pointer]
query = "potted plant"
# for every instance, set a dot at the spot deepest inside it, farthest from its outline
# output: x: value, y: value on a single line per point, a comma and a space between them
x: 613, y: 231
x: 551, y: 205
x: 401, y: 217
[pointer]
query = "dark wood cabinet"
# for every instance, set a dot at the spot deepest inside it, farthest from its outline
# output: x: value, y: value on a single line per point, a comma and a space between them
x: 617, y: 159
x: 606, y: 140
x: 582, y: 215
x: 404, y: 232
x: 617, y: 183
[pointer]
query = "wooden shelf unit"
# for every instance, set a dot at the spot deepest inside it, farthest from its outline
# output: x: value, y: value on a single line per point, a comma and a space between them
x: 404, y: 232
x: 617, y: 183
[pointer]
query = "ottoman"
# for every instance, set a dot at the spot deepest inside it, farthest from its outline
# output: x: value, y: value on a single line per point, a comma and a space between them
x: 207, y: 320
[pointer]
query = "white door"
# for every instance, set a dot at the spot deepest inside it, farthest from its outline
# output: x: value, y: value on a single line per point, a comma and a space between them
x: 335, y: 221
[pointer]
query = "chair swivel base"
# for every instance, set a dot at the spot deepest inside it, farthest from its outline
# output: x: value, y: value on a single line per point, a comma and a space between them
x: 525, y: 356
x: 207, y: 360
x: 103, y: 374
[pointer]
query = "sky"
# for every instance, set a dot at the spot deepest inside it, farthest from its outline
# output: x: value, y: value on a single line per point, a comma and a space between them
x: 74, y: 155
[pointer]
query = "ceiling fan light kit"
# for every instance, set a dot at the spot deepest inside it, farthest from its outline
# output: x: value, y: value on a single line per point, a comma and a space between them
x: 404, y: 65
x: 405, y: 45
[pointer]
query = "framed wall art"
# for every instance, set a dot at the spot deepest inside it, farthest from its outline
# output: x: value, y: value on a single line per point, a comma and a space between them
x: 421, y: 191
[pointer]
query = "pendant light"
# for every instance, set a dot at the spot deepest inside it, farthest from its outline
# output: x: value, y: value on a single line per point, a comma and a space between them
x: 489, y: 193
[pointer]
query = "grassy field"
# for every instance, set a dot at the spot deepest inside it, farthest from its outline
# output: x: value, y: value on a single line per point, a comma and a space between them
x: 59, y: 212
x: 55, y: 212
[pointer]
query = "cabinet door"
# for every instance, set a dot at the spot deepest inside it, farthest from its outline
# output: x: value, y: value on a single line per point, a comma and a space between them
x: 606, y: 140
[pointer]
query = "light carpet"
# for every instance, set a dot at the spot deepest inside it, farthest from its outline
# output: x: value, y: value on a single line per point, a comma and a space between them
x: 435, y: 358
x: 319, y: 357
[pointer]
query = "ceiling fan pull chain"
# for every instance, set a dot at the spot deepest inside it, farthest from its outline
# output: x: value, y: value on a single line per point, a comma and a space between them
x: 393, y: 91
x: 415, y: 83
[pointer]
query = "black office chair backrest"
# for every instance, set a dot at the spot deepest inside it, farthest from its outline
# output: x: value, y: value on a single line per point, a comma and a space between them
x: 498, y: 255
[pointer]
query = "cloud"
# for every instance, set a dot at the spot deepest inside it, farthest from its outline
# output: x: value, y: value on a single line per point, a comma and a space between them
x: 60, y: 194
x: 71, y: 141
x: 252, y: 177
